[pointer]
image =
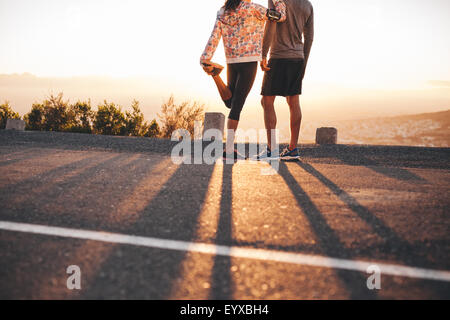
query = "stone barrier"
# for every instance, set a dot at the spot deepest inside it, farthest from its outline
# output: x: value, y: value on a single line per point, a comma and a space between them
x: 214, y: 120
x: 326, y: 136
x: 15, y: 124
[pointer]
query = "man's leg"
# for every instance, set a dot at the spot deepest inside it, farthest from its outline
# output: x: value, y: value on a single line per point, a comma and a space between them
x: 296, y: 120
x: 270, y: 117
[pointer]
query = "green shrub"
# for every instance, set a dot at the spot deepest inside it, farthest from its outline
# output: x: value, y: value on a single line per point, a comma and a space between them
x: 53, y: 114
x: 109, y: 120
x: 135, y: 122
x: 34, y: 120
x: 182, y: 116
x: 6, y: 113
x: 82, y: 117
x: 57, y: 114
x: 153, y: 130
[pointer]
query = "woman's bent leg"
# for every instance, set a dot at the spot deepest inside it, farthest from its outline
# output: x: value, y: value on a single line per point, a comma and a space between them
x: 232, y: 76
x: 224, y: 91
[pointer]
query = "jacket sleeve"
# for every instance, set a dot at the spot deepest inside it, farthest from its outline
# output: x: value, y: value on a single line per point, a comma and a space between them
x: 279, y: 5
x: 213, y: 42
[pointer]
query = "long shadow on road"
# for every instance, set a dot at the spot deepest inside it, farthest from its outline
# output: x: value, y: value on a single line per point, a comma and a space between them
x: 46, y: 177
x: 327, y: 237
x: 394, y: 244
x: 84, y: 187
x: 23, y: 155
x: 221, y: 287
x: 39, y: 191
x: 137, y: 273
x: 391, y: 171
x: 399, y: 246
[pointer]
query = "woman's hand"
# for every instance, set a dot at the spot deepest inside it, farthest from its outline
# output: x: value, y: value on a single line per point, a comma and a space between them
x: 208, y: 70
x: 211, y: 68
x: 207, y: 67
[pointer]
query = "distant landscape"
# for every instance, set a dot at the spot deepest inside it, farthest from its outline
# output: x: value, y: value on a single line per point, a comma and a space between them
x: 427, y: 130
x: 385, y: 115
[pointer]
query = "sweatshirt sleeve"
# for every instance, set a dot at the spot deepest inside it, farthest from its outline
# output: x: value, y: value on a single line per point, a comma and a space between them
x: 308, y: 34
x: 269, y: 31
x: 279, y: 5
x: 213, y: 42
x: 268, y: 38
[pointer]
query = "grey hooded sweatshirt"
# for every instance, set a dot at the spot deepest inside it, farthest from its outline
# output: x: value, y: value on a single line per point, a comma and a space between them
x: 293, y: 38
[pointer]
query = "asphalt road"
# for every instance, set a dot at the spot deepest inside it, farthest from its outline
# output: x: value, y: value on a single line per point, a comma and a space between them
x: 359, y: 203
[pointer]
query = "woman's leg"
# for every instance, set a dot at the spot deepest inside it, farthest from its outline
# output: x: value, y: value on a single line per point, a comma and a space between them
x: 232, y: 75
x: 246, y: 74
x: 214, y: 71
x: 224, y: 91
x: 232, y: 126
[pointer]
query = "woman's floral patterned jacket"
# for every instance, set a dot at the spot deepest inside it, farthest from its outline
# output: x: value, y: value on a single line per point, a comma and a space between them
x: 242, y: 31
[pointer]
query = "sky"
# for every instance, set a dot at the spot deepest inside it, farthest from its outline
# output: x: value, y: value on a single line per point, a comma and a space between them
x: 363, y: 50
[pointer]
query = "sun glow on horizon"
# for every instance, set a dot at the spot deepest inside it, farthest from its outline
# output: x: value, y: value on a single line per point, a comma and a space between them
x: 357, y: 42
x: 359, y: 45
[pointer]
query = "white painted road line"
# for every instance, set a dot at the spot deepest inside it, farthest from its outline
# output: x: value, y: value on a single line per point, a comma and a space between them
x: 235, y: 252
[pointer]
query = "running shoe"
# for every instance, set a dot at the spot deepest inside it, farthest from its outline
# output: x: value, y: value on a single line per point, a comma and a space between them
x: 216, y: 68
x: 290, y: 155
x: 266, y: 155
x: 235, y: 155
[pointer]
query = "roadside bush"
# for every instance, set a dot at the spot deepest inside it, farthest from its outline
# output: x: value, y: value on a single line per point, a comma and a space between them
x: 181, y: 116
x: 82, y: 117
x: 109, y: 120
x: 135, y: 122
x: 53, y: 114
x: 153, y: 131
x: 6, y: 113
x: 34, y: 120
x: 57, y: 114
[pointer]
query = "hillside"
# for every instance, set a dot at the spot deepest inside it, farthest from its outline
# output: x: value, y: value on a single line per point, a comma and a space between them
x: 428, y: 130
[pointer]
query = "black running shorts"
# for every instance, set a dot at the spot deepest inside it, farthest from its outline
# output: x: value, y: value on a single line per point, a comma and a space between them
x: 284, y: 78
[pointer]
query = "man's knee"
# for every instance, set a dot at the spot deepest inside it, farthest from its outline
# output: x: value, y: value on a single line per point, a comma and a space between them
x: 294, y: 107
x: 267, y: 102
x: 293, y: 101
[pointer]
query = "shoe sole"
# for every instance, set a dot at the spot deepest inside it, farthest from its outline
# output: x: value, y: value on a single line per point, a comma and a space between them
x: 268, y: 159
x: 225, y: 161
x: 234, y: 159
x: 287, y: 159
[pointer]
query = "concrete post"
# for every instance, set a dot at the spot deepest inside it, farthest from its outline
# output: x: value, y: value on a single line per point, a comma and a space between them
x: 326, y: 136
x: 214, y: 120
x: 15, y: 124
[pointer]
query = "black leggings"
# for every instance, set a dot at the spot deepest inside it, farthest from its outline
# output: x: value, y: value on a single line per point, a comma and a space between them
x: 241, y: 77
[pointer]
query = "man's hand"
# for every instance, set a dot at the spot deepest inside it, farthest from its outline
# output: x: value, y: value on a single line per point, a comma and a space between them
x: 264, y: 65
